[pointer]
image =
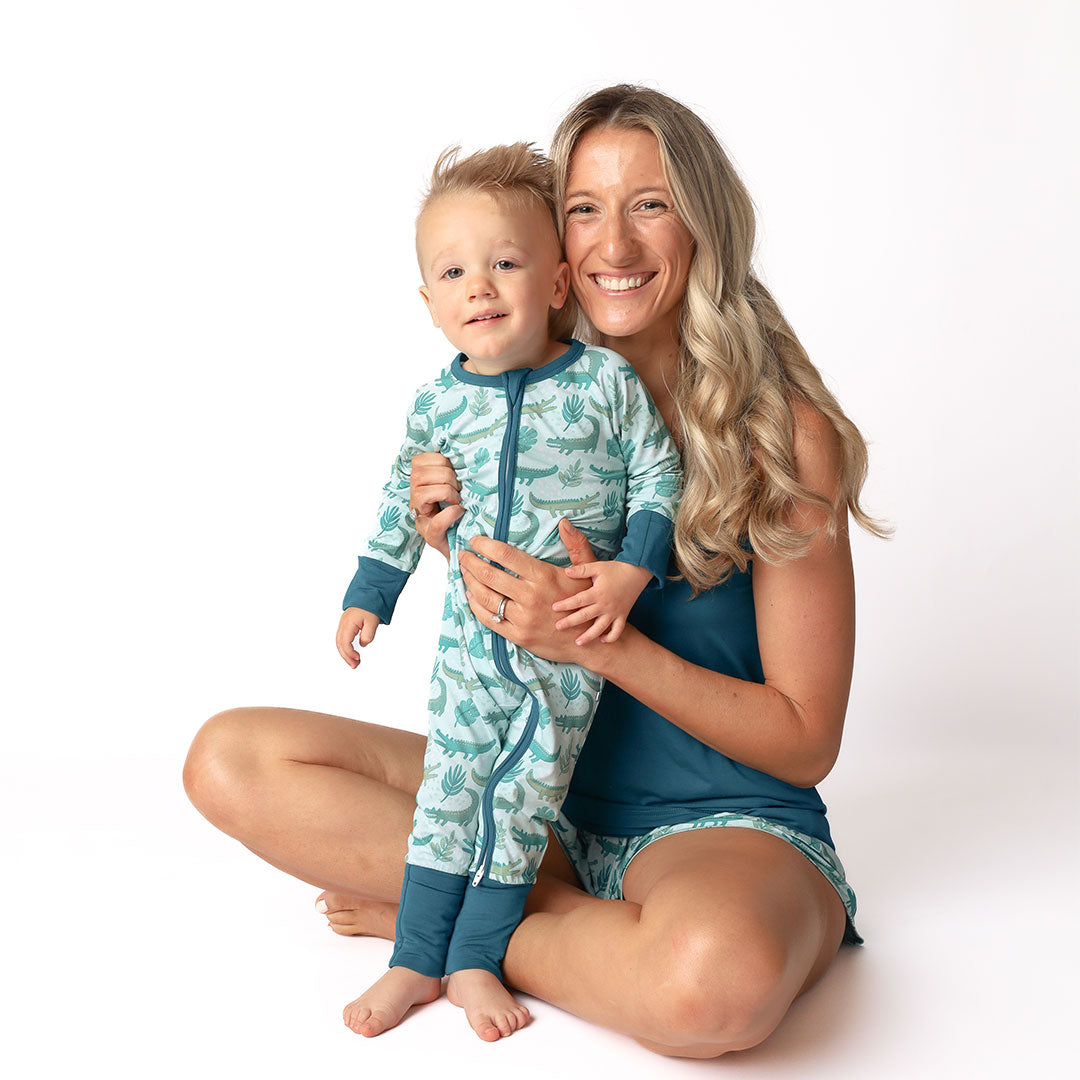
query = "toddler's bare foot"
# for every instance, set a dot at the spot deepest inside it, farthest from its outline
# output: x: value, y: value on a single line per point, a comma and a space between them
x: 491, y: 1011
x: 353, y: 916
x: 383, y: 1005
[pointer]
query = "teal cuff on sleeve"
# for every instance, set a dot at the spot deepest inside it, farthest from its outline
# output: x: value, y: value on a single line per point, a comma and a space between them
x: 375, y: 587
x: 647, y: 543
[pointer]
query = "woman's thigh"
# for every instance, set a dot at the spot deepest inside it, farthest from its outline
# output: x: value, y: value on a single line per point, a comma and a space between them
x: 740, y: 923
x: 252, y: 740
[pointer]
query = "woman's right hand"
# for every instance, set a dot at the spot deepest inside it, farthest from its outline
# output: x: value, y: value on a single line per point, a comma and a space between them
x: 433, y: 481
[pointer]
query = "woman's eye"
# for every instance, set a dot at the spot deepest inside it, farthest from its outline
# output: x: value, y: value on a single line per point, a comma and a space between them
x: 653, y: 204
x: 453, y: 273
x: 580, y: 210
x: 505, y: 264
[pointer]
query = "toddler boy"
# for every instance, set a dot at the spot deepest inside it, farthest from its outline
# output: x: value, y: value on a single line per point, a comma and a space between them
x: 537, y: 429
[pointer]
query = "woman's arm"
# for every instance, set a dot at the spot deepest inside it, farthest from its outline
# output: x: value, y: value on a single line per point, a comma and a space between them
x: 790, y: 726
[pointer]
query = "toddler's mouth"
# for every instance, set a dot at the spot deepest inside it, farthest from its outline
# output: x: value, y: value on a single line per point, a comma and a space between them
x: 486, y: 316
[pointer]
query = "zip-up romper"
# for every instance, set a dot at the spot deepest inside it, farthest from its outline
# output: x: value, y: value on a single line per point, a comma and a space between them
x: 577, y: 438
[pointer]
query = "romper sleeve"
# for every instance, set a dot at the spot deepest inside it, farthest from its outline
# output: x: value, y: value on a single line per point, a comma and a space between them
x: 653, y: 474
x: 392, y: 550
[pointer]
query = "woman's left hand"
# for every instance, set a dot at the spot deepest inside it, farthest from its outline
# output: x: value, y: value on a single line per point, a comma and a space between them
x: 528, y: 619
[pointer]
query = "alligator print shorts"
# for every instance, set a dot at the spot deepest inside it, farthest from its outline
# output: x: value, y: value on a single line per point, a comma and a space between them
x: 601, y: 861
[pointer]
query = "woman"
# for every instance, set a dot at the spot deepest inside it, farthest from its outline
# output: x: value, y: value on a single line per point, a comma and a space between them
x: 722, y: 711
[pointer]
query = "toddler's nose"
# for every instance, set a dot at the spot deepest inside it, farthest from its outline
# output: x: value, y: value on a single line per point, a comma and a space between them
x: 480, y: 285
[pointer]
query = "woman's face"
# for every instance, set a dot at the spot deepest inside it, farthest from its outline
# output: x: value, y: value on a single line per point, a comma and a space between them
x: 629, y: 253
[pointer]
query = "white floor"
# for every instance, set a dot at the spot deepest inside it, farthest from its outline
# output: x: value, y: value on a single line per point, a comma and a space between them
x: 142, y: 943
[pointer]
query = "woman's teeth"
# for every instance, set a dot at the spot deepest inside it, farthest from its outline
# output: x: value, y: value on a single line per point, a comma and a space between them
x: 615, y: 284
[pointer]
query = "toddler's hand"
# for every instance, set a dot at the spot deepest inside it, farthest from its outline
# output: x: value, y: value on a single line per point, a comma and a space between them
x: 355, y: 621
x: 615, y: 587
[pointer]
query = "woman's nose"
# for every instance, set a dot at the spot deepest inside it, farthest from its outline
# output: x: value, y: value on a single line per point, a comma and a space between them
x: 617, y: 241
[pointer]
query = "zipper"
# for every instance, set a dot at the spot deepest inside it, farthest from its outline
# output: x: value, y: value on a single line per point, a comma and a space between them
x: 514, y: 385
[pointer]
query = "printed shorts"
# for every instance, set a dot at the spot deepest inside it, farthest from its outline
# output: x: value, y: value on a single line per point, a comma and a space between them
x: 601, y: 861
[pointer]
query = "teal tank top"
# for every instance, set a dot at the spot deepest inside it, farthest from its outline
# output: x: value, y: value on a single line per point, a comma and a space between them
x: 638, y: 771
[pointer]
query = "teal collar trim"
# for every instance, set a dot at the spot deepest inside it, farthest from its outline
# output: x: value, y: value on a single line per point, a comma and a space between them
x: 575, y: 349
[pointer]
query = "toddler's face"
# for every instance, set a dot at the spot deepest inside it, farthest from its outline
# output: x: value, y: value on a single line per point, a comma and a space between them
x: 492, y: 270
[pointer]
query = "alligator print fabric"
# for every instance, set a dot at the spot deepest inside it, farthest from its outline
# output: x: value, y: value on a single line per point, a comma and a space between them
x: 578, y: 438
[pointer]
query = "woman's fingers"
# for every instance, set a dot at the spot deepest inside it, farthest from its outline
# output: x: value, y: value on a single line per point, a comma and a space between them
x: 498, y: 580
x: 425, y: 498
x: 505, y: 628
x: 512, y: 558
x: 487, y: 598
x: 577, y: 546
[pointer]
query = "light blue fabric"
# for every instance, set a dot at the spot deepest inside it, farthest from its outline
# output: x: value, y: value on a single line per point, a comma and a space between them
x: 579, y: 438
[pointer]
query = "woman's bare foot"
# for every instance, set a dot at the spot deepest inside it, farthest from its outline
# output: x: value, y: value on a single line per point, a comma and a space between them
x: 491, y: 1011
x: 383, y: 1005
x: 352, y: 916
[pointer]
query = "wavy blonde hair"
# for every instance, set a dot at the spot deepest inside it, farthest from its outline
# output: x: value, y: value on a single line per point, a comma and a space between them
x: 741, y: 369
x: 517, y: 173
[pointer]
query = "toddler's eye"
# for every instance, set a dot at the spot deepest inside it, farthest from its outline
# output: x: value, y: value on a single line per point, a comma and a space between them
x: 505, y: 264
x: 453, y: 273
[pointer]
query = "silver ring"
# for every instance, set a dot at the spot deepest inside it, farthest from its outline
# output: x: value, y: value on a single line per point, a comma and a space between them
x: 501, y: 613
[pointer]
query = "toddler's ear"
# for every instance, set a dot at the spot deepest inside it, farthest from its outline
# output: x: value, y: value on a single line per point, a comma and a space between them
x: 562, y: 285
x: 430, y: 306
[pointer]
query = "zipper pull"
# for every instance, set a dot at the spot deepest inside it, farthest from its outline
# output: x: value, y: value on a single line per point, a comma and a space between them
x: 479, y: 874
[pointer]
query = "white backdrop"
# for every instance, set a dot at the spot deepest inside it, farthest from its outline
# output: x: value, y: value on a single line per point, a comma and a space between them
x: 210, y: 330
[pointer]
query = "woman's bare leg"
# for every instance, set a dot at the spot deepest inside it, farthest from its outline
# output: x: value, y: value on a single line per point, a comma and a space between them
x: 720, y: 931
x: 326, y: 799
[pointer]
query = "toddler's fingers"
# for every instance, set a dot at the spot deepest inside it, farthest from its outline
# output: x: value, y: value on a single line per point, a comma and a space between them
x: 572, y: 603
x: 367, y: 633
x: 578, y: 618
x: 594, y: 631
x: 582, y: 570
x: 615, y: 632
x: 348, y: 654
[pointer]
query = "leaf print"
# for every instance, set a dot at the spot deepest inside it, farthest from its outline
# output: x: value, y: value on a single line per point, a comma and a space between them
x: 442, y: 849
x: 612, y: 505
x: 632, y: 410
x: 480, y: 459
x: 613, y: 448
x: 390, y: 518
x: 526, y: 439
x: 573, y: 410
x: 572, y: 476
x: 570, y: 685
x: 424, y: 403
x: 453, y: 781
x: 480, y: 403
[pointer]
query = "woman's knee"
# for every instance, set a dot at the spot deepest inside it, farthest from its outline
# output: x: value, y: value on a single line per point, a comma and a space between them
x: 221, y: 755
x: 718, y: 988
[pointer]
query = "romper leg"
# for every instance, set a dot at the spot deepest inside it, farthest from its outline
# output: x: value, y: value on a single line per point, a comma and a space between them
x: 463, y: 744
x: 559, y: 708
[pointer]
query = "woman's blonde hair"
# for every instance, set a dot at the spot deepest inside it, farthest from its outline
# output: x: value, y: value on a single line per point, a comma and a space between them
x: 518, y: 173
x: 741, y: 369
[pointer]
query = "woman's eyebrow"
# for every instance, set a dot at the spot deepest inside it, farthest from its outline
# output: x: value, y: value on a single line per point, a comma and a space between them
x: 633, y: 194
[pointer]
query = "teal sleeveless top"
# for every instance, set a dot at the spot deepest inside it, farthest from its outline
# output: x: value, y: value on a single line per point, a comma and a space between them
x: 638, y: 771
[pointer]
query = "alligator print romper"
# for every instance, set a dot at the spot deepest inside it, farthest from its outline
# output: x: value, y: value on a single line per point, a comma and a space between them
x: 577, y: 438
